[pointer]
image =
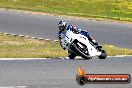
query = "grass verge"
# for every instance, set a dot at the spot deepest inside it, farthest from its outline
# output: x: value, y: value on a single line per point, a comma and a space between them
x: 21, y: 47
x: 110, y: 9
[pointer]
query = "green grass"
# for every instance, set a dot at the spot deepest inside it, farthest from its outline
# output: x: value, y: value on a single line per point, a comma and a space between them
x: 115, y: 51
x: 15, y: 46
x: 21, y: 47
x: 110, y: 9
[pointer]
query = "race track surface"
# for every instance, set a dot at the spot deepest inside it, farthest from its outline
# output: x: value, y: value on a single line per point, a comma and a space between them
x: 45, y: 26
x: 60, y: 73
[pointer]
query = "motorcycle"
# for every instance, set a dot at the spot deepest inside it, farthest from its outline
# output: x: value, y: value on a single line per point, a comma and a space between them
x: 79, y: 45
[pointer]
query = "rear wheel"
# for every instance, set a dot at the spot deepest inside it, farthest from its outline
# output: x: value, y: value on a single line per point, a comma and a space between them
x: 81, y: 51
x: 103, y: 55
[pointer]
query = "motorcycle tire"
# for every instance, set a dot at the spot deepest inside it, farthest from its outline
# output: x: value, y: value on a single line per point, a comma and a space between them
x: 103, y: 55
x: 72, y: 56
x: 83, y: 55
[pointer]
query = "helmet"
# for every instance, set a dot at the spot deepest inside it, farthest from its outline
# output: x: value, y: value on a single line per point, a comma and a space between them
x: 62, y: 25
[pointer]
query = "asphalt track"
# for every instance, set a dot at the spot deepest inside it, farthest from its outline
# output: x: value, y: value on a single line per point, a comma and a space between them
x: 45, y: 26
x: 60, y: 73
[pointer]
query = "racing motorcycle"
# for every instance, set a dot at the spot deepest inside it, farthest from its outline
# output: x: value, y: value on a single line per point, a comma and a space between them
x: 79, y: 45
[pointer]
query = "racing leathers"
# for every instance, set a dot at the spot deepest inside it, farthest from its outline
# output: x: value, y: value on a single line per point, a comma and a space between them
x: 76, y: 29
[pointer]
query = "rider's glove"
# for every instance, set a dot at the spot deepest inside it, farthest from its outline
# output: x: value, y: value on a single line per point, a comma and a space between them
x: 76, y: 30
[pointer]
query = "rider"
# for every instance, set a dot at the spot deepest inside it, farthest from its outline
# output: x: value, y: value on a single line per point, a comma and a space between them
x: 63, y: 27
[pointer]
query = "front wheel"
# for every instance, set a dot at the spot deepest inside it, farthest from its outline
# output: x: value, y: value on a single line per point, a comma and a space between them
x: 103, y: 55
x: 72, y: 56
x: 79, y: 52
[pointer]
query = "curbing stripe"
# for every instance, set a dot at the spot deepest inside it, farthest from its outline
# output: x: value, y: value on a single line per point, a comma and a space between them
x: 54, y: 41
x: 29, y: 37
x: 47, y: 39
x: 41, y: 38
x: 6, y: 33
x: 1, y: 32
x: 34, y: 37
x: 21, y: 35
x: 14, y: 87
x: 14, y: 34
x: 24, y: 58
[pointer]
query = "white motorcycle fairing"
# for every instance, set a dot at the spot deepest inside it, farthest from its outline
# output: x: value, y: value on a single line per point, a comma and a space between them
x: 68, y: 37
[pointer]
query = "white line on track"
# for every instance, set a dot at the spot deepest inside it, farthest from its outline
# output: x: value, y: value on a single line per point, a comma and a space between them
x: 14, y: 87
x: 59, y: 58
x: 23, y: 59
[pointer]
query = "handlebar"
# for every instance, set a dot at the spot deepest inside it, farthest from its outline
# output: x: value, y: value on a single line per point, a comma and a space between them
x: 75, y: 31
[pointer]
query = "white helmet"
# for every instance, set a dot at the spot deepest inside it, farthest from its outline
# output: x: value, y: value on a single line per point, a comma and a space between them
x: 62, y: 25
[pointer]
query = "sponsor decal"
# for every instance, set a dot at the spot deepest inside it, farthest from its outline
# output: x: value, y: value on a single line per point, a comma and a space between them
x: 83, y: 78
